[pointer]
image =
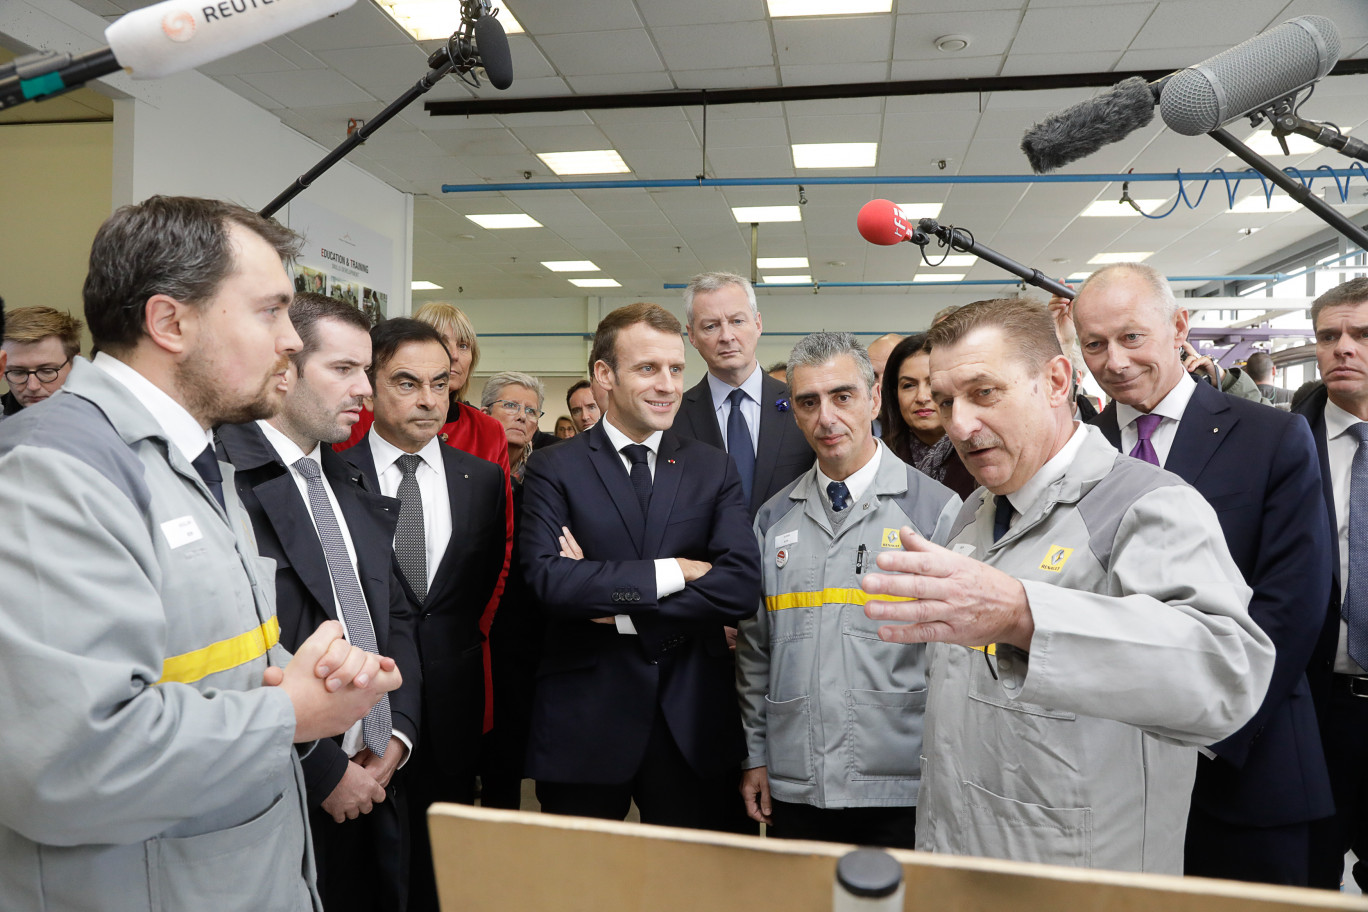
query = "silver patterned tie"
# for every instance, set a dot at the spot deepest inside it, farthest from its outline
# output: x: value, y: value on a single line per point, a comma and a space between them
x: 378, y: 725
x: 1355, y: 611
x: 410, y: 540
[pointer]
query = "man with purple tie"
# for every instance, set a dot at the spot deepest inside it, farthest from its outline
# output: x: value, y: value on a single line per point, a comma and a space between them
x: 1258, y: 789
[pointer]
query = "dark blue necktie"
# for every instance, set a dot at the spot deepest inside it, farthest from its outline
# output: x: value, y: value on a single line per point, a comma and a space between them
x: 638, y: 453
x: 1355, y: 610
x: 206, y: 464
x: 839, y: 494
x: 739, y: 442
x: 1002, y: 516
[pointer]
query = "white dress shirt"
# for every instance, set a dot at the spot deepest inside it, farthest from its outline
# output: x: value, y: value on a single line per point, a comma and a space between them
x: 1171, y: 408
x: 859, y: 480
x: 1340, y: 448
x: 432, y: 485
x: 290, y: 453
x: 669, y: 576
x: 752, y: 386
x: 1025, y: 497
x: 179, y: 426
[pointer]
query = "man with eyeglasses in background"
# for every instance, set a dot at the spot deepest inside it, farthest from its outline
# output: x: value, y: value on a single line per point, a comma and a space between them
x: 39, y: 343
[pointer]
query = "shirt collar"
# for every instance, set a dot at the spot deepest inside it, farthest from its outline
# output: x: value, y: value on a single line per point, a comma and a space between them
x: 386, y: 453
x: 1171, y: 406
x: 1337, y: 420
x: 618, y: 440
x: 859, y: 480
x: 752, y: 386
x: 1025, y: 497
x: 177, y: 424
x: 288, y: 451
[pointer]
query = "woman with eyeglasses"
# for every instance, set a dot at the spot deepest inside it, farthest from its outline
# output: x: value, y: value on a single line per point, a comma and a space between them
x: 515, y: 401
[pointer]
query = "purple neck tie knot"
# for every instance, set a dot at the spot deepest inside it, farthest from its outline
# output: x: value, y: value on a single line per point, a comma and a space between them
x: 1145, y: 427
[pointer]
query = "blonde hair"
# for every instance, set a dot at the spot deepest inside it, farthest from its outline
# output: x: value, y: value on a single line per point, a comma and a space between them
x: 450, y: 319
x: 26, y: 325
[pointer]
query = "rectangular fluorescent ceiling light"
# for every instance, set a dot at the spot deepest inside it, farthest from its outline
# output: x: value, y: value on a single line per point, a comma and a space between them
x: 1255, y: 204
x: 598, y: 161
x: 1266, y: 144
x: 570, y: 265
x: 423, y: 286
x: 1114, y: 209
x: 788, y: 280
x: 1105, y: 259
x: 835, y: 155
x: 954, y: 260
x: 748, y: 214
x: 495, y: 221
x: 938, y: 277
x: 594, y: 283
x: 778, y: 9
x: 437, y: 20
x: 782, y: 262
x: 916, y: 211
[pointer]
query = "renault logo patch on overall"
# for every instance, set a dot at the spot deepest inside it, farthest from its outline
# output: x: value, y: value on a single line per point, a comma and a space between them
x: 1055, y: 558
x: 890, y: 539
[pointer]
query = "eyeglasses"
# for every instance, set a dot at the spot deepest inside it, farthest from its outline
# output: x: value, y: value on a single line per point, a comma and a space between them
x: 18, y: 376
x: 508, y: 405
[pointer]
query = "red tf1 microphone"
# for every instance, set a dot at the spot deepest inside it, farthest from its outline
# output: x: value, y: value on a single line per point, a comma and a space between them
x: 882, y: 222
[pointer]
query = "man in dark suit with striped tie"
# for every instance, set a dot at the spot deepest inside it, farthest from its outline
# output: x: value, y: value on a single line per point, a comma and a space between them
x: 637, y: 542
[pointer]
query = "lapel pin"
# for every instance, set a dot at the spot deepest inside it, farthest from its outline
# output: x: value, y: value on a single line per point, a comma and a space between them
x: 1215, y: 430
x: 670, y: 461
x: 444, y: 437
x: 781, y: 404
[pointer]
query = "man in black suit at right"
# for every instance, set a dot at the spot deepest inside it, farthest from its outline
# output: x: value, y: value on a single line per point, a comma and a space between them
x: 737, y: 406
x: 1338, y: 414
x: 638, y: 545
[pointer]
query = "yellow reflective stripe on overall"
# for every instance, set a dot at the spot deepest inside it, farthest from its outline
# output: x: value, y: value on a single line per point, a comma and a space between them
x: 221, y: 656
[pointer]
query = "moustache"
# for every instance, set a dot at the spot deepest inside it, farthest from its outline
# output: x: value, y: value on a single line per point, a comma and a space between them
x: 981, y: 441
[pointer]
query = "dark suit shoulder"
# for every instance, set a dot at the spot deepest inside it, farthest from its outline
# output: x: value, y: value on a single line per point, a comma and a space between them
x: 453, y: 458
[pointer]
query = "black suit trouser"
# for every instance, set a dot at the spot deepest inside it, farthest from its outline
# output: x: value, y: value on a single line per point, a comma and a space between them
x: 1344, y: 731
x: 363, y: 864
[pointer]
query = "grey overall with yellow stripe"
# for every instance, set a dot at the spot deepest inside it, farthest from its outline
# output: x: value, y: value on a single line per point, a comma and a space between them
x: 834, y: 712
x: 143, y: 765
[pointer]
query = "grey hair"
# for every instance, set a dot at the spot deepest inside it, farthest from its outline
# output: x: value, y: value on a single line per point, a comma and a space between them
x: 715, y: 281
x: 494, y: 387
x: 1160, y: 291
x: 821, y: 347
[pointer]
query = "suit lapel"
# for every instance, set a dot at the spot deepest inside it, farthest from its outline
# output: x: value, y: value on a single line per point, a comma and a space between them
x: 772, y: 431
x: 701, y: 416
x: 1314, y: 412
x: 361, y: 457
x: 668, y: 472
x: 1206, y: 423
x: 458, y: 501
x: 608, y: 464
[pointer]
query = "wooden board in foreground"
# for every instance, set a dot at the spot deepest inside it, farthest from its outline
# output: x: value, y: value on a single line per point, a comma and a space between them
x: 511, y: 861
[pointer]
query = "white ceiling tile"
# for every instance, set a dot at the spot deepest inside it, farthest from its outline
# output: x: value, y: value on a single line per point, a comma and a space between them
x: 1111, y: 27
x: 734, y: 44
x: 628, y: 137
x: 1176, y: 25
x: 989, y: 33
x: 821, y: 74
x: 526, y: 88
x: 659, y: 13
x: 292, y: 52
x: 561, y: 139
x: 602, y: 53
x: 386, y: 72
x: 234, y: 84
x: 834, y: 128
x: 360, y: 25
x: 528, y: 60
x: 836, y: 41
x: 1051, y: 64
x: 734, y: 134
x: 256, y: 59
x: 1350, y: 16
x: 621, y: 84
x: 949, y: 68
x: 822, y: 107
x: 727, y: 78
x: 309, y: 88
x: 1167, y: 59
x: 539, y: 17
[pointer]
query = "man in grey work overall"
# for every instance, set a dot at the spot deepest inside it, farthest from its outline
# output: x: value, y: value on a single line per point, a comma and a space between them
x: 151, y: 715
x: 833, y: 715
x: 1115, y: 623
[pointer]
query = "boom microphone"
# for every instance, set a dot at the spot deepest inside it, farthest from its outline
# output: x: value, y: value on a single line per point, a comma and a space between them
x: 1080, y: 130
x: 163, y: 39
x: 882, y: 222
x: 479, y: 42
x: 1250, y: 76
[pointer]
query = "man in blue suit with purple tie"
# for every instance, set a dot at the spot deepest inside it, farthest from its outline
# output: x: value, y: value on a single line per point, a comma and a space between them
x: 638, y: 545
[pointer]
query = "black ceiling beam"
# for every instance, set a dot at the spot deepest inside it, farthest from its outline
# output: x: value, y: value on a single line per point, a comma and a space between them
x: 701, y: 97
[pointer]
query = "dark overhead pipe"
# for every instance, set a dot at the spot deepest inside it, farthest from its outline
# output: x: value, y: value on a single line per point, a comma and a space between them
x: 691, y: 98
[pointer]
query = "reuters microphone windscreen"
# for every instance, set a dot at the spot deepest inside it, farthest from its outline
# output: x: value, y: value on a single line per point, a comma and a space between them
x: 882, y: 222
x: 178, y: 35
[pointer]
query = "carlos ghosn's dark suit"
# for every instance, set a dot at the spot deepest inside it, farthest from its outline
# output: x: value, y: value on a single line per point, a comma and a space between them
x: 599, y: 692
x: 1257, y: 468
x: 362, y: 861
x: 782, y: 453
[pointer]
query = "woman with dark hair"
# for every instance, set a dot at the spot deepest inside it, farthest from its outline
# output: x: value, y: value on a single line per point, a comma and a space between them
x: 911, y: 424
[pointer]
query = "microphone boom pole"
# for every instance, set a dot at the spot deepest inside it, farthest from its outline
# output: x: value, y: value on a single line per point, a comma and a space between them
x: 959, y: 240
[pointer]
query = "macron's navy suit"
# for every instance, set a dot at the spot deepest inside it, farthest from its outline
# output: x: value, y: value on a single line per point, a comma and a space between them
x: 363, y: 861
x: 600, y: 693
x: 782, y: 452
x: 1256, y: 466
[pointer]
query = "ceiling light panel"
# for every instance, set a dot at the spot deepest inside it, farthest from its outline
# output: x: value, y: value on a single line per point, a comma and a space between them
x: 595, y: 283
x: 782, y: 262
x: 1105, y: 259
x: 748, y: 214
x: 570, y: 265
x: 1255, y: 204
x: 937, y: 277
x: 437, y: 20
x: 779, y: 9
x: 499, y: 221
x: 787, y: 280
x: 953, y: 261
x: 835, y: 155
x: 423, y: 286
x: 599, y: 161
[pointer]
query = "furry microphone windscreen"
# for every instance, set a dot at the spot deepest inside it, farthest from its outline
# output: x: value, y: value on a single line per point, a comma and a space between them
x: 1082, y: 129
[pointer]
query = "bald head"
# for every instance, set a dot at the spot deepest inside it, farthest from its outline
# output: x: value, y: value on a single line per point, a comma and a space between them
x: 879, y: 350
